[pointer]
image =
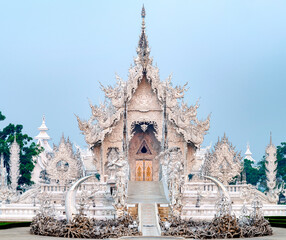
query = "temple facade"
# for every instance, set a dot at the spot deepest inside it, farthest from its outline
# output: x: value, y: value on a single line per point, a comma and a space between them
x: 143, y: 117
x: 145, y: 147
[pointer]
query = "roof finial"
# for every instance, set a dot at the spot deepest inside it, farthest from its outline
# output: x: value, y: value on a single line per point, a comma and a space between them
x: 143, y: 50
x: 63, y: 139
x: 143, y: 13
x: 270, y: 138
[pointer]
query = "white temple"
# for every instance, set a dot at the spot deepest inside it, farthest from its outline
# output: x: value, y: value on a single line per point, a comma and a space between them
x: 145, y: 150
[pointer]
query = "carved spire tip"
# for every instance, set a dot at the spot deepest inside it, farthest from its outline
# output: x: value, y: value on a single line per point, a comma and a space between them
x: 143, y: 13
x: 63, y: 138
x: 270, y: 138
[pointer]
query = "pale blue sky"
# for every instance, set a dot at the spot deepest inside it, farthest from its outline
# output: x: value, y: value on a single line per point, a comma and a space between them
x: 233, y: 54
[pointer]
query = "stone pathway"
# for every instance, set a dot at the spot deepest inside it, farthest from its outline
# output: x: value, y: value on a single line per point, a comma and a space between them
x: 23, y: 233
x: 148, y: 218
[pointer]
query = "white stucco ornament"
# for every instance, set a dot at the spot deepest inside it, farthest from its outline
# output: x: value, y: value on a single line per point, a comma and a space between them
x: 223, y: 162
x: 65, y: 165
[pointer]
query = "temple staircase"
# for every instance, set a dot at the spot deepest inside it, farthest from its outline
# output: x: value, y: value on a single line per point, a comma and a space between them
x: 147, y: 195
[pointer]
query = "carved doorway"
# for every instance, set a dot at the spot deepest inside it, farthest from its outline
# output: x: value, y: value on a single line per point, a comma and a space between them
x: 143, y: 149
x: 144, y: 170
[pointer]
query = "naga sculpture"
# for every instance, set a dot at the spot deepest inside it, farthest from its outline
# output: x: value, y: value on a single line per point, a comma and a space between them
x: 70, y: 203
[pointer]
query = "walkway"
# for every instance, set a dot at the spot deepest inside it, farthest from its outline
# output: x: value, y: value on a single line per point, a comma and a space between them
x: 148, y: 220
x: 24, y: 234
x: 147, y: 195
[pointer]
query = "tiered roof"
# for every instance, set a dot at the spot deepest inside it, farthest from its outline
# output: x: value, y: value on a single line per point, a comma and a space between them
x: 105, y: 117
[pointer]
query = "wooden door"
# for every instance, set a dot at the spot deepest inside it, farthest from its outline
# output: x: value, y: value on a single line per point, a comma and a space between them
x: 148, y: 170
x: 144, y: 170
x: 139, y: 171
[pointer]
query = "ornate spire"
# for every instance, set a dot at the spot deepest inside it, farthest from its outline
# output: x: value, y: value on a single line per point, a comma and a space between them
x: 3, y: 172
x: 63, y: 140
x: 271, y: 165
x: 143, y: 50
x: 143, y: 14
x: 14, y: 164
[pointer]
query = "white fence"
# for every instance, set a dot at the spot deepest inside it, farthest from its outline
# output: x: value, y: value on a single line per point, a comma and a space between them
x: 25, y: 212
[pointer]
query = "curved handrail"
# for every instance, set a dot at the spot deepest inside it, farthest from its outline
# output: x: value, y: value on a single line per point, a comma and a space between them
x: 157, y: 219
x: 222, y: 189
x: 70, y: 204
x: 139, y: 217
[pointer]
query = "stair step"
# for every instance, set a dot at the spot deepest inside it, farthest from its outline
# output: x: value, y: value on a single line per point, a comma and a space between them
x: 146, y: 192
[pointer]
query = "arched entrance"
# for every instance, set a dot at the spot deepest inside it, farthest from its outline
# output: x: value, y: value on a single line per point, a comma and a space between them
x: 143, y: 148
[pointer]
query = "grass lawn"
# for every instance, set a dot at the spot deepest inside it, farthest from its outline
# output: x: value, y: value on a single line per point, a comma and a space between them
x: 5, y: 225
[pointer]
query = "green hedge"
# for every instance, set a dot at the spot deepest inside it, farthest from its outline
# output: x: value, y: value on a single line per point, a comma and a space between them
x: 6, y: 225
x: 277, y: 221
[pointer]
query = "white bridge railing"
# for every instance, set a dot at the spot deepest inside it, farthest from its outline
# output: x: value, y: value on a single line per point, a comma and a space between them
x: 207, y: 212
x: 25, y: 212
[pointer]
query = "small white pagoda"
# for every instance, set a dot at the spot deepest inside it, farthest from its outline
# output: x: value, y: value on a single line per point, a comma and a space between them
x: 42, y: 160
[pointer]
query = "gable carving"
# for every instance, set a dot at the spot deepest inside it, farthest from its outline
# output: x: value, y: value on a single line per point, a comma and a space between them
x: 64, y: 165
x: 144, y: 149
x: 223, y: 162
